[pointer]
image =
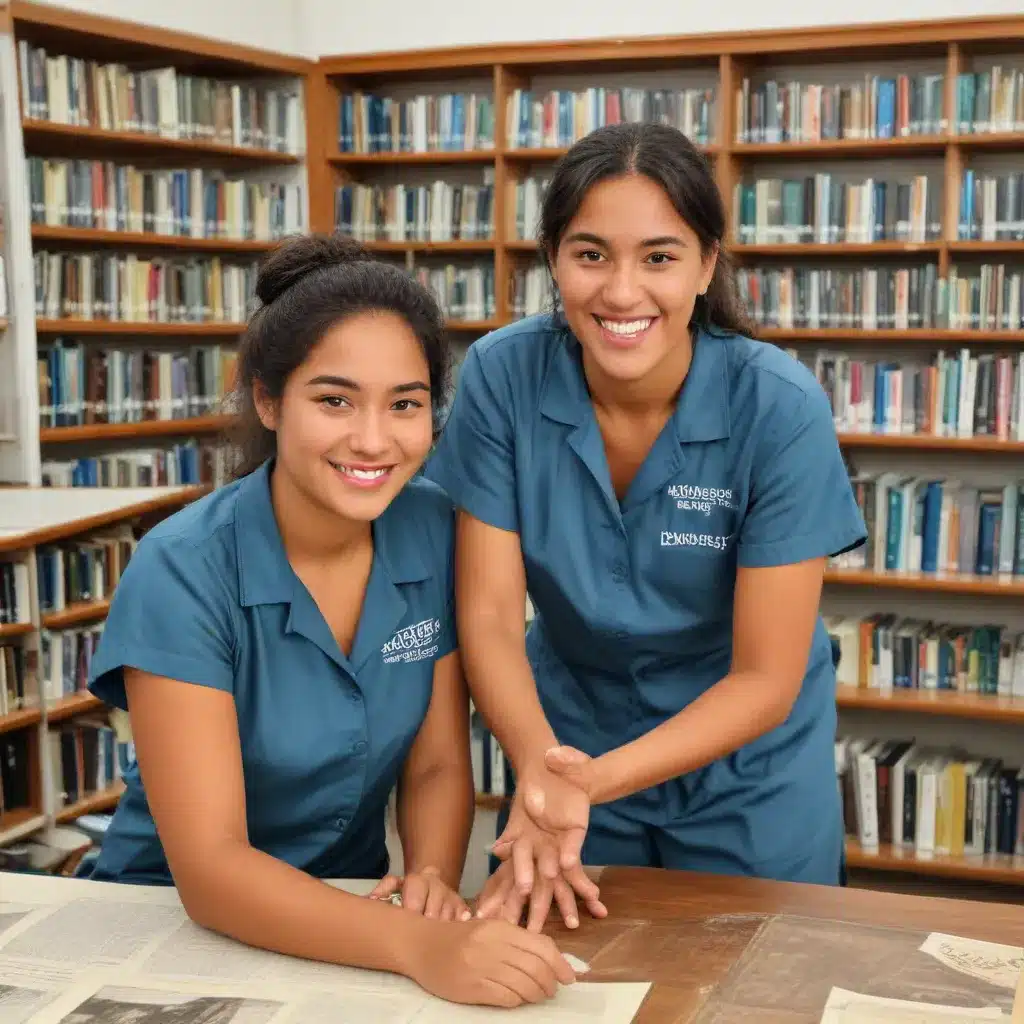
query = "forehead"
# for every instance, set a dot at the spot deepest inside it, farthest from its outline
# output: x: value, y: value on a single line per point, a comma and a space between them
x: 372, y: 346
x: 628, y: 207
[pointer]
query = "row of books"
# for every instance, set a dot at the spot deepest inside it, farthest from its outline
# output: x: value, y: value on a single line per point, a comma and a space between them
x: 824, y: 209
x: 929, y: 801
x: 17, y: 769
x: 161, y: 101
x: 463, y: 293
x: 85, y: 570
x: 960, y: 394
x: 130, y: 287
x: 990, y: 101
x: 193, y: 461
x: 15, y: 596
x: 886, y: 652
x: 988, y: 297
x: 938, y: 525
x: 65, y: 657
x: 86, y: 757
x: 191, y: 202
x: 492, y: 771
x: 446, y: 122
x: 527, y: 196
x: 82, y: 384
x: 991, y: 207
x: 556, y: 118
x: 438, y: 212
x: 19, y: 683
x: 878, y: 107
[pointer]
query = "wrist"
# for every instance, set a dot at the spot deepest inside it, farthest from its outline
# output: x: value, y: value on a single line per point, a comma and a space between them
x: 605, y: 781
x: 413, y: 934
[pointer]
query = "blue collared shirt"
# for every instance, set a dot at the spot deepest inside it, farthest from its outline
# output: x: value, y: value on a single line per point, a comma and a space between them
x: 209, y: 598
x: 634, y: 598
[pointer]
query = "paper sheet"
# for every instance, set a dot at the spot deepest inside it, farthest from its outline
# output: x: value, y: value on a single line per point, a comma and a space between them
x: 80, y: 952
x: 988, y: 961
x: 844, y: 1007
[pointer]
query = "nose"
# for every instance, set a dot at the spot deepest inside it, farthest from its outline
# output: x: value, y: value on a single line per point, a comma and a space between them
x: 369, y: 433
x: 622, y: 286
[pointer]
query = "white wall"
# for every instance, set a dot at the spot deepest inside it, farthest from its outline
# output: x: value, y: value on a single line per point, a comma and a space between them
x: 269, y: 24
x: 346, y: 26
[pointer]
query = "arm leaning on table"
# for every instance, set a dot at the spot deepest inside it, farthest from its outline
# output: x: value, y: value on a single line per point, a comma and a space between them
x: 168, y: 655
x: 436, y: 786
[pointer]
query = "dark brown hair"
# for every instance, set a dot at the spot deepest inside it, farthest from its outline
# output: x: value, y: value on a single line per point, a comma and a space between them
x: 305, y: 286
x: 666, y: 156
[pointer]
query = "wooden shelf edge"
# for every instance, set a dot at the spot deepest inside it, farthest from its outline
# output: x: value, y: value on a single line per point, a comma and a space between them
x: 141, y: 428
x: 159, y: 502
x: 12, y: 629
x: 71, y: 705
x: 148, y: 239
x: 1000, y: 586
x: 75, y: 613
x: 946, y: 703
x: 33, y: 128
x: 20, y: 822
x: 490, y: 801
x: 95, y: 803
x: 141, y: 328
x: 924, y: 442
x: 990, y: 868
x: 21, y: 719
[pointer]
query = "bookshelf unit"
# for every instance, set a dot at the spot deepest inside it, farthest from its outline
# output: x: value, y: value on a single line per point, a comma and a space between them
x: 58, y: 570
x: 807, y: 254
x: 151, y: 171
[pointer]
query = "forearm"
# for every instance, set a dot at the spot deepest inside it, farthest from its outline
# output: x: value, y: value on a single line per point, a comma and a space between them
x: 732, y: 713
x: 435, y: 817
x: 246, y: 894
x: 503, y: 688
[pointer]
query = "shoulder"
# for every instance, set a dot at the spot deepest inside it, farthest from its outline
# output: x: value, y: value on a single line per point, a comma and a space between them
x: 767, y: 368
x: 521, y: 348
x: 197, y: 541
x: 424, y: 513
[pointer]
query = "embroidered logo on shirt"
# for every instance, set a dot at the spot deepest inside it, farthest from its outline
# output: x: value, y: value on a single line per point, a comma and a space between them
x: 702, y: 499
x: 413, y: 643
x: 674, y: 539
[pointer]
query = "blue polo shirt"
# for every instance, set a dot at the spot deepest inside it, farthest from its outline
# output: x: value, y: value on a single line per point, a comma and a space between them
x: 634, y: 599
x: 209, y: 598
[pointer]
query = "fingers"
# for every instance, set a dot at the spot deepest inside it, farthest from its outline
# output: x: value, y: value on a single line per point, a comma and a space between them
x: 542, y: 982
x: 587, y: 890
x: 414, y: 893
x: 494, y: 894
x: 543, y: 947
x: 540, y: 904
x: 570, y: 847
x: 387, y: 886
x: 518, y: 981
x: 565, y: 898
x: 522, y: 865
x: 547, y: 861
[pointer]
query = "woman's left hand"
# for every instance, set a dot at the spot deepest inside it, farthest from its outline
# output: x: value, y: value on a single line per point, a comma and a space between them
x: 424, y: 892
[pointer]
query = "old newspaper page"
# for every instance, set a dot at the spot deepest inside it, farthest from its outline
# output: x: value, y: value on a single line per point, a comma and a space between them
x: 80, y: 952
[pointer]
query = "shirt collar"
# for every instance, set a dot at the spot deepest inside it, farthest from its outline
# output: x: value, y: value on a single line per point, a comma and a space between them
x: 702, y: 411
x: 265, y: 574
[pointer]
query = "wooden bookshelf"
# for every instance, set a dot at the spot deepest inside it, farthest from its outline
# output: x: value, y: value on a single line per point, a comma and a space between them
x: 257, y: 165
x: 723, y: 62
x: 32, y: 519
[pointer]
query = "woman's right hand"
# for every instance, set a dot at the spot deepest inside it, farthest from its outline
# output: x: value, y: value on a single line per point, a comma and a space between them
x: 489, y: 963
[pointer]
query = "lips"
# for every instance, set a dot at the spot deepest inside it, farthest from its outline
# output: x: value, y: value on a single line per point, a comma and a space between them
x: 362, y: 476
x: 624, y: 334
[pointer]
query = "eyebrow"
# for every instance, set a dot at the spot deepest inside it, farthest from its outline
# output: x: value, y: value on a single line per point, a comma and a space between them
x: 647, y: 243
x: 345, y: 382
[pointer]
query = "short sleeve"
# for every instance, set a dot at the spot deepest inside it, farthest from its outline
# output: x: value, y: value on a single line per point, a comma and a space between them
x: 169, y: 616
x: 802, y: 503
x: 475, y: 457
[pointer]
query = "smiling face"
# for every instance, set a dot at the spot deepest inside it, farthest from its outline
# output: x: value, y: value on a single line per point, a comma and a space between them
x: 629, y: 269
x: 354, y: 421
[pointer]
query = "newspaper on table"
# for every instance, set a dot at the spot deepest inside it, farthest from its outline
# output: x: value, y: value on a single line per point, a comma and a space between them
x: 79, y: 952
x: 844, y: 1007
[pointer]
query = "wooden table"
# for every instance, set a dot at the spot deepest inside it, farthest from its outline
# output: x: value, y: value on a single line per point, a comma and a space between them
x: 685, y: 932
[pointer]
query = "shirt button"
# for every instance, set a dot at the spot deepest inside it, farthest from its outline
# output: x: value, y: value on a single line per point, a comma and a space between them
x: 360, y: 747
x: 621, y: 635
x: 341, y: 822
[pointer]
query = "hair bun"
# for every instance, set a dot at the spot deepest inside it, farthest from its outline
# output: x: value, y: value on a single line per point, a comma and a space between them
x: 296, y: 257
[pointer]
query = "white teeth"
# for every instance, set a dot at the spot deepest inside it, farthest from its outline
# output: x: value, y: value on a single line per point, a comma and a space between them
x: 626, y: 327
x: 362, y: 474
